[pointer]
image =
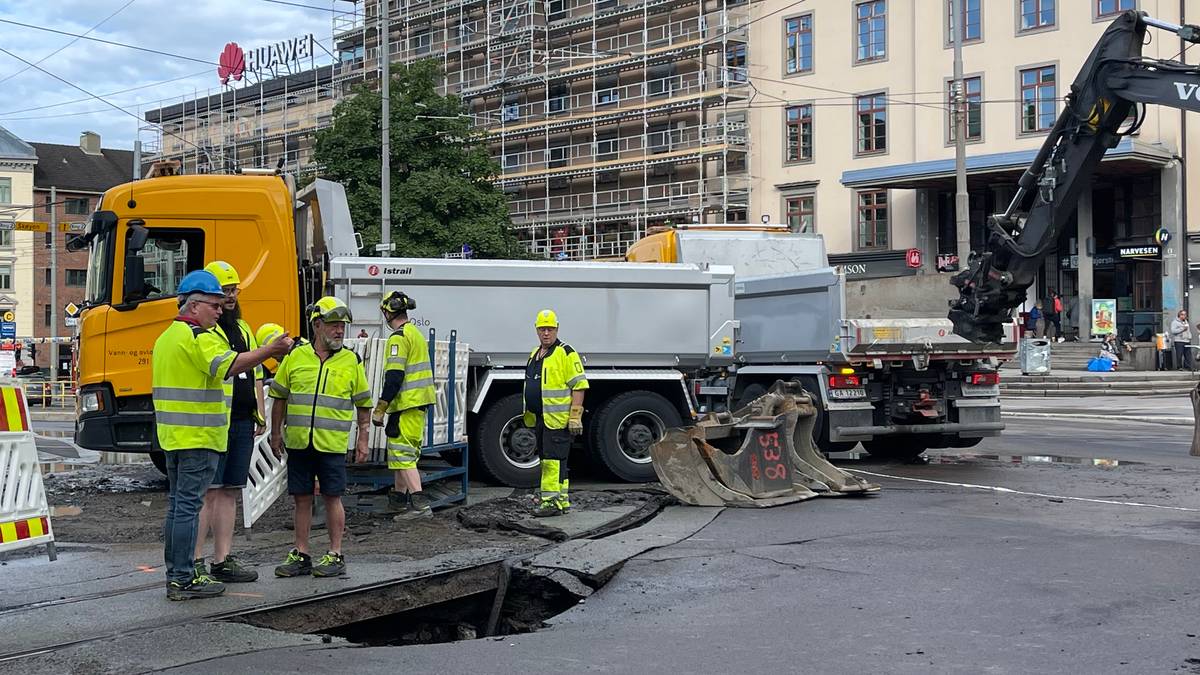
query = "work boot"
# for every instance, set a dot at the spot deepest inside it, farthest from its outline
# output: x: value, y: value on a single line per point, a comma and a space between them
x: 231, y: 571
x: 297, y: 565
x: 547, y: 509
x: 201, y: 586
x: 330, y: 565
x: 418, y: 508
x: 398, y: 502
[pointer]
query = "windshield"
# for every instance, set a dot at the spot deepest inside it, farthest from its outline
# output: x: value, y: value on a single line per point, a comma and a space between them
x: 99, y: 273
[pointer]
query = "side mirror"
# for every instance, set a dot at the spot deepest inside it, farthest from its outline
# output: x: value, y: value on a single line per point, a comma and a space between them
x: 135, y: 237
x: 134, y: 286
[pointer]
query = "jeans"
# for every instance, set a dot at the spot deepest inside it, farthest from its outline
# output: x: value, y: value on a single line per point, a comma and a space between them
x: 1183, y: 356
x: 189, y: 473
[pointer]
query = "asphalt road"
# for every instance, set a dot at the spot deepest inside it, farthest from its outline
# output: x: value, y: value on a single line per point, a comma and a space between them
x: 1078, y: 568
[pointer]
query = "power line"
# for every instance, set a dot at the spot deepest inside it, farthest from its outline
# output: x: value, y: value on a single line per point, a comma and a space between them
x: 102, y: 41
x: 73, y: 41
x: 114, y: 93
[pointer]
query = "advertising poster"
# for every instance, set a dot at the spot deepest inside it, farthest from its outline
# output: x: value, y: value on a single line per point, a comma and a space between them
x: 1104, y: 316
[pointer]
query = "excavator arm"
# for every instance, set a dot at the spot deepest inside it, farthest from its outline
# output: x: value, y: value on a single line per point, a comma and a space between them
x: 1113, y: 80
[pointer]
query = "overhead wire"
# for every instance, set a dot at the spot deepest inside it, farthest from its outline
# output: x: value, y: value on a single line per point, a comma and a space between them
x: 73, y: 41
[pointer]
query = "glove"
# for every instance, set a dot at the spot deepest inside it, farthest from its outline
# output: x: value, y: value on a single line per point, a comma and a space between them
x: 379, y: 413
x: 575, y: 421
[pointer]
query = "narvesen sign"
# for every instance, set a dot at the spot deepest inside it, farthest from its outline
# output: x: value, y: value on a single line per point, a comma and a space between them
x: 234, y: 61
x: 1151, y: 251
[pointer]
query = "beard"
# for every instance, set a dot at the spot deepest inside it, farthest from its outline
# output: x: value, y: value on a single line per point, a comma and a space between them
x: 335, y: 343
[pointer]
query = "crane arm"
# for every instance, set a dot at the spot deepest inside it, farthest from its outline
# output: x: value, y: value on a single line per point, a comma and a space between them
x: 1113, y: 80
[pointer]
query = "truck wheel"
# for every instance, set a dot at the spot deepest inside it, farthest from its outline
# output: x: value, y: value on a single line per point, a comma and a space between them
x: 625, y: 427
x: 897, y: 448
x: 159, y: 459
x: 507, y: 449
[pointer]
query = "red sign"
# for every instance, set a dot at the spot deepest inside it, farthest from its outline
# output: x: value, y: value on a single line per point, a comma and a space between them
x: 232, y: 63
x: 914, y: 257
x: 373, y: 270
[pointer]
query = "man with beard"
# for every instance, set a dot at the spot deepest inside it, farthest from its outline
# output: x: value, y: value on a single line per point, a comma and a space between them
x: 317, y: 390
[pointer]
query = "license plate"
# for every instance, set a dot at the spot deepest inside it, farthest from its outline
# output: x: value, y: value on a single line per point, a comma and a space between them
x: 980, y: 389
x: 847, y: 393
x: 889, y: 333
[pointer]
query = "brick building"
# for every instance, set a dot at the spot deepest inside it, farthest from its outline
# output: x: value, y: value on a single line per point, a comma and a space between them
x: 80, y: 174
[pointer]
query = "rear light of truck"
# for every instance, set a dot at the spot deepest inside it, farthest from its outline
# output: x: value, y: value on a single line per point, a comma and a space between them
x: 844, y: 381
x: 983, y: 378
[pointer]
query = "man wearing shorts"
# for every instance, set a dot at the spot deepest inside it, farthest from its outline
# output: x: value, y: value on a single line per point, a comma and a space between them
x: 321, y: 391
x: 243, y: 392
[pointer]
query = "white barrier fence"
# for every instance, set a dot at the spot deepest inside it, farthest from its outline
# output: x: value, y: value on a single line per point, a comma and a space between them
x: 268, y: 475
x: 24, y: 513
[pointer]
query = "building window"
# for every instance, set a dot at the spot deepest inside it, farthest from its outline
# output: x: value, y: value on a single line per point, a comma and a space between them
x: 973, y: 26
x: 48, y: 238
x: 1108, y: 8
x: 49, y: 207
x: 76, y: 278
x: 735, y: 62
x: 5, y: 277
x: 799, y: 133
x: 800, y: 214
x: 799, y: 44
x: 872, y: 123
x: 1038, y: 99
x: 46, y: 315
x: 5, y: 190
x: 973, y: 87
x: 77, y: 206
x: 1037, y: 14
x: 872, y: 219
x: 49, y: 277
x: 6, y: 239
x: 871, y: 30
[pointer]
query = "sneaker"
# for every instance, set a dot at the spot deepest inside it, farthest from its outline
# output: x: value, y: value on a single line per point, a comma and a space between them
x: 198, y: 568
x: 418, y: 508
x: 297, y: 564
x: 201, y: 586
x: 547, y: 509
x: 398, y: 502
x: 231, y: 571
x: 330, y: 565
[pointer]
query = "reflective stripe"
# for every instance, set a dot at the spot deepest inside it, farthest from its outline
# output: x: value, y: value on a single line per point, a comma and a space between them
x: 215, y: 365
x: 556, y: 407
x: 575, y: 380
x: 362, y: 396
x: 413, y: 384
x: 185, y: 395
x: 555, y: 393
x: 301, y: 421
x: 323, y: 400
x: 416, y: 367
x: 184, y: 419
x: 397, y: 360
x: 279, y: 389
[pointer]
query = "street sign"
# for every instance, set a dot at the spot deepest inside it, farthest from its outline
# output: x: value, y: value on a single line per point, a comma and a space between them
x: 8, y: 330
x: 71, y: 321
x: 385, y: 248
x: 1162, y: 236
x: 467, y: 251
x: 9, y: 316
x: 34, y: 226
x: 71, y: 310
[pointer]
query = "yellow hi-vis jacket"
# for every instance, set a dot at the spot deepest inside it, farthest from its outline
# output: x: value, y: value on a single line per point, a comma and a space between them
x: 562, y: 373
x: 408, y: 351
x: 321, y: 397
x: 189, y: 367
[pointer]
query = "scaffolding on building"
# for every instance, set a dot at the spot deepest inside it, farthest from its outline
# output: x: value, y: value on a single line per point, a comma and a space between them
x: 607, y: 117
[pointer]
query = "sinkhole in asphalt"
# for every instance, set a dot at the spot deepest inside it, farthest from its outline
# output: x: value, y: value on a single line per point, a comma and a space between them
x: 521, y: 604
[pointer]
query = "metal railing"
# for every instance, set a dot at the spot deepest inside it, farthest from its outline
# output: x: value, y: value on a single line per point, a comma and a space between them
x: 60, y: 394
x: 690, y: 194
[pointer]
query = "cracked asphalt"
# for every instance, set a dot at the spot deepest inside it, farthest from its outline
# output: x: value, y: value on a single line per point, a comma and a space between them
x: 925, y: 577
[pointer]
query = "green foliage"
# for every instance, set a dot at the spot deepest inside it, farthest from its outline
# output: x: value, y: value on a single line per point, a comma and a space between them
x: 441, y: 192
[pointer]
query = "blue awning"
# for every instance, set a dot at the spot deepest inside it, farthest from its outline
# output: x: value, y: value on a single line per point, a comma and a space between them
x: 913, y: 174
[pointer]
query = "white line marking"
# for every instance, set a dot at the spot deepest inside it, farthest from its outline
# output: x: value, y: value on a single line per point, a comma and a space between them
x: 1011, y: 491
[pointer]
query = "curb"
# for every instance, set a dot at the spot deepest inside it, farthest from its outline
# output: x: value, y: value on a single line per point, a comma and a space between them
x: 1175, y: 420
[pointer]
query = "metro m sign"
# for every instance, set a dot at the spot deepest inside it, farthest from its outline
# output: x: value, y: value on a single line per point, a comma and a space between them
x: 913, y: 258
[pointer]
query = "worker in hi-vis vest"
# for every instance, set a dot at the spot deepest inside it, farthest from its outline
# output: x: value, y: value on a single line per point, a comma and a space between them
x: 554, y: 386
x: 407, y: 393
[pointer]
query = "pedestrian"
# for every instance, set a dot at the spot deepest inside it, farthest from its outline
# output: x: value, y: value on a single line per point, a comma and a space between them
x: 1031, y: 321
x: 190, y: 363
x: 1053, y: 311
x: 244, y: 394
x: 362, y: 333
x: 554, y: 387
x: 1039, y: 320
x: 1110, y: 350
x: 317, y: 389
x: 1181, y: 337
x: 407, y: 393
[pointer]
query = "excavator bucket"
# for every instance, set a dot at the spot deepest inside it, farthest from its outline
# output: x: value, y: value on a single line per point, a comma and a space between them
x: 750, y: 457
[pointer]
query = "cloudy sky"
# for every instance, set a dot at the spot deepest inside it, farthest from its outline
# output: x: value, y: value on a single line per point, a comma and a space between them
x: 37, y: 107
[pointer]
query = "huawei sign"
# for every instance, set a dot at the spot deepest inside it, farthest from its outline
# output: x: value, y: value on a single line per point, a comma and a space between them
x: 232, y: 63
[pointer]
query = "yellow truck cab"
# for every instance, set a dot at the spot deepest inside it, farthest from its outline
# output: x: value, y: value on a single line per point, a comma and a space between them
x: 143, y: 238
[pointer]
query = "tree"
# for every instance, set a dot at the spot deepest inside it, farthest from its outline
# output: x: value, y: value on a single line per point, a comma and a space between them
x: 442, y: 194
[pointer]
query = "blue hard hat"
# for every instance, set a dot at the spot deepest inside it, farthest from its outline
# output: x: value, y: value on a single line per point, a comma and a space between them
x: 200, y: 281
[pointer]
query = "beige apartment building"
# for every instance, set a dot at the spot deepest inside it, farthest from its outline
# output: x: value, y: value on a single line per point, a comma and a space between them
x: 852, y: 139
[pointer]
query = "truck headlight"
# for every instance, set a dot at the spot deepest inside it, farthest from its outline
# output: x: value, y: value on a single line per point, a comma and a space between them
x: 90, y: 401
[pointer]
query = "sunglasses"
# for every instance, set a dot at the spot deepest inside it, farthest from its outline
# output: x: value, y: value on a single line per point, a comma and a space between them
x: 218, y: 305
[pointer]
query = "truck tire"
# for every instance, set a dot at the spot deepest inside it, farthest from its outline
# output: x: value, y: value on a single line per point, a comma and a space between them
x: 625, y: 427
x: 507, y: 449
x: 159, y: 459
x: 895, y: 448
